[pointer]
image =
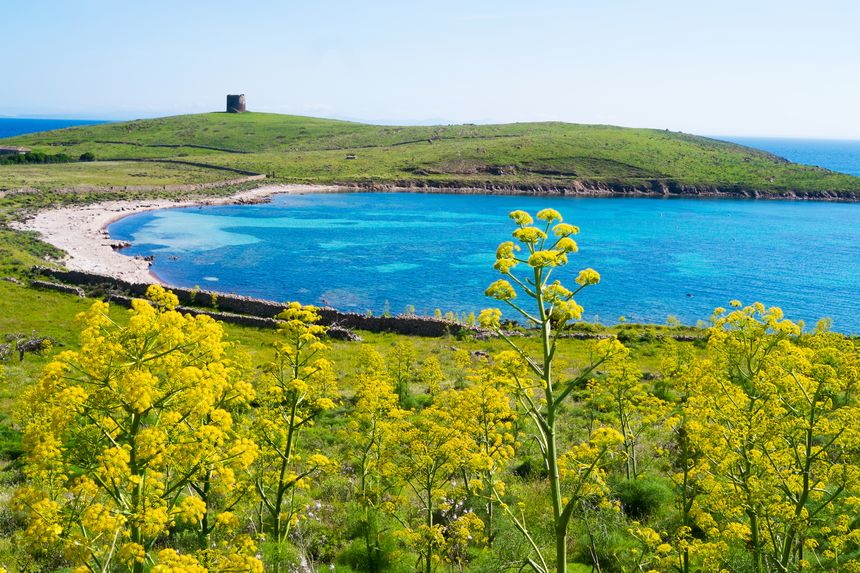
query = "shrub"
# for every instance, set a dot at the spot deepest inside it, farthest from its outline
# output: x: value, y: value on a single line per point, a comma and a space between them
x: 641, y: 498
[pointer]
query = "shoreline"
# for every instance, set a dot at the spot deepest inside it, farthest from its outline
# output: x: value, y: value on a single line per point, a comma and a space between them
x: 81, y: 230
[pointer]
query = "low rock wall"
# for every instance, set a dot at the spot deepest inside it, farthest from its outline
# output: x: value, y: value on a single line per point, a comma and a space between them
x: 59, y: 287
x: 253, y: 308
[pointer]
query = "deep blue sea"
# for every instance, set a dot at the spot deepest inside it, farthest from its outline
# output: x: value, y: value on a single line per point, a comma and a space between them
x: 10, y: 127
x: 834, y: 154
x: 657, y: 257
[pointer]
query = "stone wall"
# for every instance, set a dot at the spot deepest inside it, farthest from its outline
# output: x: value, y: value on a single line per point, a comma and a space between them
x: 59, y: 287
x: 254, y: 308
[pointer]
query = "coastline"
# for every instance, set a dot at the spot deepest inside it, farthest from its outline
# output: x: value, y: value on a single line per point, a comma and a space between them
x: 81, y: 230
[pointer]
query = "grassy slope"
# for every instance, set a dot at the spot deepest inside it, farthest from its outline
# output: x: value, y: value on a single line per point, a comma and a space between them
x: 105, y: 174
x: 23, y: 310
x: 304, y: 149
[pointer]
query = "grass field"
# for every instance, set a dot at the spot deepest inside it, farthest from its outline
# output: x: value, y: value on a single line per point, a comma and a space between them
x: 25, y: 310
x: 331, y: 534
x: 105, y: 174
x: 304, y: 149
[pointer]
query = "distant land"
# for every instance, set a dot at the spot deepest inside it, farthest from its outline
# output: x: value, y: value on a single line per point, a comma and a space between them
x: 537, y: 158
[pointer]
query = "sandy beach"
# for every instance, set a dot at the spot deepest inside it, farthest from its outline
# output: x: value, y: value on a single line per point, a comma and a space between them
x: 81, y: 232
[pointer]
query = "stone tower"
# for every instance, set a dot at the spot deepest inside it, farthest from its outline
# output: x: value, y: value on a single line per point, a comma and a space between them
x: 235, y: 103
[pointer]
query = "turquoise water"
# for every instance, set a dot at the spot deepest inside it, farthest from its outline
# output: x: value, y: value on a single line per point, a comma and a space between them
x: 657, y: 257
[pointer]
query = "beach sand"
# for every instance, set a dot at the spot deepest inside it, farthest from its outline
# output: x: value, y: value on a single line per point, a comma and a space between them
x: 81, y: 232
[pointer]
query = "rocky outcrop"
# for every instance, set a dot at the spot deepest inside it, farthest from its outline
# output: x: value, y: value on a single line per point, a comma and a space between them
x: 594, y: 188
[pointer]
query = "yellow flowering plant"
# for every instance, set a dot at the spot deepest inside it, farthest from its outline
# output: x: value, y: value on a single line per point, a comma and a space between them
x: 546, y: 250
x: 626, y: 401
x: 372, y: 433
x: 483, y: 411
x: 432, y: 452
x: 294, y: 388
x: 117, y: 433
x: 773, y: 413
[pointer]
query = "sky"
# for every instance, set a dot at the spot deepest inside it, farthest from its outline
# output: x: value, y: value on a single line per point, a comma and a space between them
x: 781, y: 68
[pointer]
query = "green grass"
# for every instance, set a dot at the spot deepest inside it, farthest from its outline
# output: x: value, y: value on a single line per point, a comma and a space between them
x: 24, y: 310
x: 304, y: 149
x: 105, y: 174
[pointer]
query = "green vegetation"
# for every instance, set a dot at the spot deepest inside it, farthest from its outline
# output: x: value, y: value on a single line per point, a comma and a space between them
x: 103, y: 174
x: 34, y: 157
x: 310, y: 150
x: 24, y: 310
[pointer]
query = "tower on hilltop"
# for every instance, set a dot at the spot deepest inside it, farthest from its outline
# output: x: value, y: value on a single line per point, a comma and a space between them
x: 236, y: 103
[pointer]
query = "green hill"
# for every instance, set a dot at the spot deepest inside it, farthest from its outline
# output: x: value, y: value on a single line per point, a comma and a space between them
x: 528, y: 156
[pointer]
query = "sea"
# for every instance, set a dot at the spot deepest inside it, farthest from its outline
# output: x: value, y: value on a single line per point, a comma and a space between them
x: 12, y: 126
x: 841, y: 155
x: 390, y: 252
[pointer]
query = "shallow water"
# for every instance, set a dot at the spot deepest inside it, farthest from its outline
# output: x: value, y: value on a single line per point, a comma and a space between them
x: 657, y: 257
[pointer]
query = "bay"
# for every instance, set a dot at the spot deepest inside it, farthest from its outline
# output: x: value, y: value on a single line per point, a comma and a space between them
x: 376, y: 251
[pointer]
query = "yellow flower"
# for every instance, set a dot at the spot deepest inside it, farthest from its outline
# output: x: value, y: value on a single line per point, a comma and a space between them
x: 131, y: 553
x: 504, y: 266
x: 521, y: 218
x: 564, y: 230
x: 161, y: 297
x: 192, y: 509
x: 541, y: 259
x: 566, y: 310
x: 556, y: 292
x: 529, y: 235
x: 490, y: 318
x: 567, y: 245
x: 227, y: 519
x: 506, y: 250
x: 549, y: 215
x: 501, y: 290
x: 588, y: 277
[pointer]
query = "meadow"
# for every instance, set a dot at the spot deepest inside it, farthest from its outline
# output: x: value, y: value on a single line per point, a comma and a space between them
x: 105, y: 174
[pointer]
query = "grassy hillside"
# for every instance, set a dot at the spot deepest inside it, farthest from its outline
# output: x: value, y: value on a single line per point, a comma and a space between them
x: 311, y: 150
x: 104, y: 174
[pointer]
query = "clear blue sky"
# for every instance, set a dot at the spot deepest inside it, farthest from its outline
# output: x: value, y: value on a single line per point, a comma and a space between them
x: 727, y: 67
